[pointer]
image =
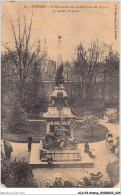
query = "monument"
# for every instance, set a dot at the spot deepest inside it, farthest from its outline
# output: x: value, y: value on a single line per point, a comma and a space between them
x: 59, y: 142
x: 59, y: 139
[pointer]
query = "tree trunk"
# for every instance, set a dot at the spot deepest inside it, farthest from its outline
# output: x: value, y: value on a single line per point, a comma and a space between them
x: 89, y: 96
x: 21, y: 94
x: 92, y: 132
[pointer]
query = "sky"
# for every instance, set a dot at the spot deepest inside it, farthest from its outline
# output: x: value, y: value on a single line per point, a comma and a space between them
x: 91, y: 21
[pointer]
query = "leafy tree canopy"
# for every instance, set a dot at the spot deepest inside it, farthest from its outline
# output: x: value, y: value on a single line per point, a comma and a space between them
x: 17, y: 121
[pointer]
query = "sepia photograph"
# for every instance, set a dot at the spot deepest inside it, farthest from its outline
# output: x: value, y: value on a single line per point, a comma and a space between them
x: 60, y: 94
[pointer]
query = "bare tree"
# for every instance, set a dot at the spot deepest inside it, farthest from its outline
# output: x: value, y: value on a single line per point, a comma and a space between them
x: 110, y: 77
x: 88, y: 66
x: 21, y: 55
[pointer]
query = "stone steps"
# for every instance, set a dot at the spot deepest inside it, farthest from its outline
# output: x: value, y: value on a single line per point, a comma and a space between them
x: 62, y: 160
x: 84, y: 162
x: 75, y: 164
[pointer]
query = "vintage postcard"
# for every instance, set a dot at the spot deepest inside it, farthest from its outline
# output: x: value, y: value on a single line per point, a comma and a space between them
x: 60, y: 95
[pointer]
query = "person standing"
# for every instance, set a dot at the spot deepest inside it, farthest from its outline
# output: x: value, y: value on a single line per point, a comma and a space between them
x: 86, y: 150
x: 8, y: 149
x: 49, y: 160
x: 29, y: 142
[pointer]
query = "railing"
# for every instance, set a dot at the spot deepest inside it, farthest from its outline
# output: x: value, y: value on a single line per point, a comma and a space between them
x: 71, y: 182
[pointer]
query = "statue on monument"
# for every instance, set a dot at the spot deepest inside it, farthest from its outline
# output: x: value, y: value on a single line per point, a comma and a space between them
x: 59, y: 139
x: 59, y: 79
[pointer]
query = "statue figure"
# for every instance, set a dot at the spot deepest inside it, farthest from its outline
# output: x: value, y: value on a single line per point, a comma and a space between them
x: 59, y: 139
x: 59, y: 77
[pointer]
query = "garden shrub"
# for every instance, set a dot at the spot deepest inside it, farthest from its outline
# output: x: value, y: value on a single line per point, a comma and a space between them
x: 17, y: 121
x: 17, y: 174
x: 112, y: 170
x: 89, y: 122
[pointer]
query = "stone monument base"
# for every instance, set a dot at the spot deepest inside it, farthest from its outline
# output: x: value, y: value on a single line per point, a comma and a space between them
x: 63, y: 155
x: 61, y: 159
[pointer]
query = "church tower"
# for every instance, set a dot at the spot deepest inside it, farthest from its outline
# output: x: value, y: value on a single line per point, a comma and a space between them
x: 39, y: 47
x: 59, y: 52
x: 45, y: 48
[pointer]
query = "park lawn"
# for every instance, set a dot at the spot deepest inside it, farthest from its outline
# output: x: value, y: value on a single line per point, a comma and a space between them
x: 38, y: 131
x: 82, y: 136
